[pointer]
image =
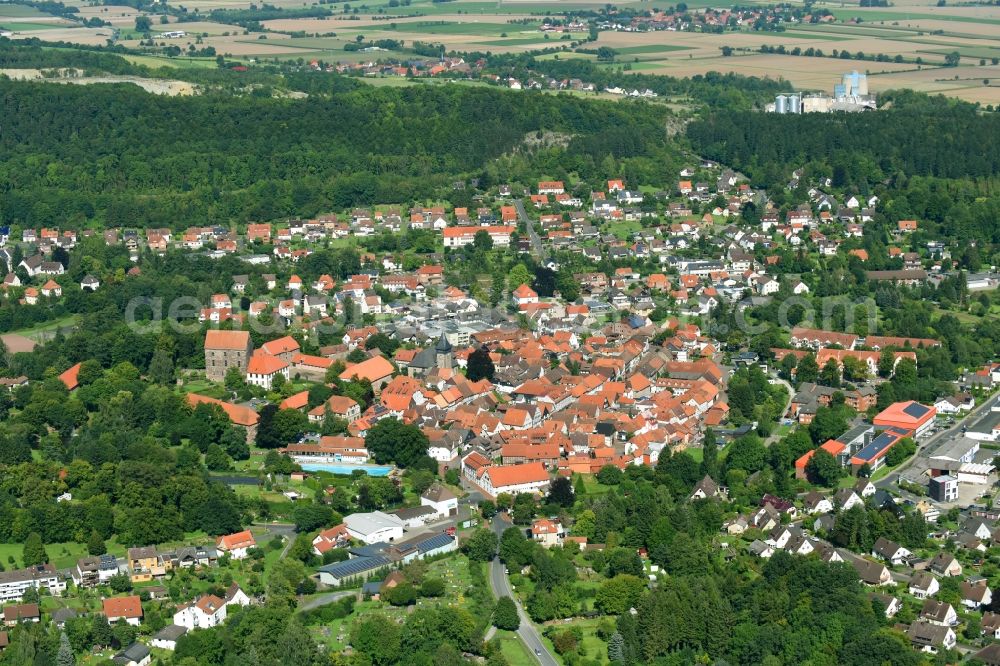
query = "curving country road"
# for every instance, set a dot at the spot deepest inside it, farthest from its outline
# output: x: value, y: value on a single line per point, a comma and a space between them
x: 500, y: 584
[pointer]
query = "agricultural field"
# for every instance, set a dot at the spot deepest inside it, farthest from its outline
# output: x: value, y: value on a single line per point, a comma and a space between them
x: 909, y: 30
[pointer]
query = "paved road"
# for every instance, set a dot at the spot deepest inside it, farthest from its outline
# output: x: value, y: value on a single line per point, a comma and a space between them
x: 500, y: 584
x: 536, y: 243
x: 280, y: 529
x: 324, y: 599
x: 936, y: 441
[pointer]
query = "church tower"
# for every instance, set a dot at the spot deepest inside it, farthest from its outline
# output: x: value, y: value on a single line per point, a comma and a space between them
x: 443, y: 352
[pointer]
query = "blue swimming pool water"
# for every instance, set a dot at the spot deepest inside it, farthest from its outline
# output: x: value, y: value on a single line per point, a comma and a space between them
x: 335, y: 468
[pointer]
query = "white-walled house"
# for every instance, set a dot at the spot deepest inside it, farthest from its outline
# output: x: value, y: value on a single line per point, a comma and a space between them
x: 442, y: 500
x: 204, y: 613
x: 263, y: 368
x: 236, y: 544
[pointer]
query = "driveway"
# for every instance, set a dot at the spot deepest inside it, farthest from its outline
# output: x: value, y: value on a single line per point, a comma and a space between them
x: 324, y: 599
x: 773, y: 437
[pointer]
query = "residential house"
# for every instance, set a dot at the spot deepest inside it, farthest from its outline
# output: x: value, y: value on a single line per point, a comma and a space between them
x: 939, y: 612
x: 945, y: 564
x: 236, y: 544
x: 707, y: 488
x: 20, y: 614
x: 135, y: 654
x: 204, y: 613
x: 872, y: 573
x: 923, y: 585
x: 166, y: 638
x: 976, y: 595
x: 890, y: 551
x: 928, y: 637
x: 547, y: 532
x: 442, y: 500
x: 128, y: 609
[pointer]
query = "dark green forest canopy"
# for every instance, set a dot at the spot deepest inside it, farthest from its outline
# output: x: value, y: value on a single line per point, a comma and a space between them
x: 937, y: 159
x: 112, y: 154
x: 916, y: 136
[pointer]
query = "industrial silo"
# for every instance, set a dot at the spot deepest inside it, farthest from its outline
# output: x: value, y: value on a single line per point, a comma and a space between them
x: 781, y: 104
x: 794, y: 104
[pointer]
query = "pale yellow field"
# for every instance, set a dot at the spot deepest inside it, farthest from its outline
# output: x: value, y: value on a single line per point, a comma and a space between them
x: 109, y: 12
x: 79, y: 35
x: 964, y: 12
x: 202, y: 27
x: 238, y: 45
x: 708, y: 45
x: 804, y: 73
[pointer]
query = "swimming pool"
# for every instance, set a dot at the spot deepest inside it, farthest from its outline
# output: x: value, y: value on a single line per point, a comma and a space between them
x: 347, y: 470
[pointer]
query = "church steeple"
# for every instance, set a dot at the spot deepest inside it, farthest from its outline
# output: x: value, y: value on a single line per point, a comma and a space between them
x: 443, y: 352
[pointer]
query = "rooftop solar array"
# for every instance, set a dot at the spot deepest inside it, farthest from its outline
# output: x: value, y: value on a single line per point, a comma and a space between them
x: 916, y: 410
x: 437, y: 541
x: 354, y: 567
x: 876, y: 445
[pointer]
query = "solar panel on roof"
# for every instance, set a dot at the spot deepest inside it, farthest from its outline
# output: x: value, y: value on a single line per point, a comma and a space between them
x: 876, y: 445
x: 435, y: 542
x: 915, y: 409
x: 354, y: 566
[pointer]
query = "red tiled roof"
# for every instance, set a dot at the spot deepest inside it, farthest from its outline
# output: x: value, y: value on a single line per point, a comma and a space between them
x: 126, y: 607
x: 239, y: 415
x: 265, y: 364
x: 296, y: 401
x: 512, y: 475
x: 281, y: 346
x: 226, y: 339
x: 242, y: 539
x: 372, y: 369
x: 71, y: 377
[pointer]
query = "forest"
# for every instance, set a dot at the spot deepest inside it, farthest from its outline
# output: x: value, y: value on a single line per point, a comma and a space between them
x: 929, y: 158
x: 916, y: 135
x: 75, y: 156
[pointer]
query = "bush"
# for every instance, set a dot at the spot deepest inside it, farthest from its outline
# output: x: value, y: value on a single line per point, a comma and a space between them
x: 403, y: 594
x: 432, y: 587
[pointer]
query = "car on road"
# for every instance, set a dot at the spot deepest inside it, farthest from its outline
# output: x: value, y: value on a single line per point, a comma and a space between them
x: 538, y: 653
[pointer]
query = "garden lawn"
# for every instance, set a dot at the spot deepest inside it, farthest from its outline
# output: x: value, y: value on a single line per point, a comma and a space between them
x: 61, y: 555
x: 514, y: 650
